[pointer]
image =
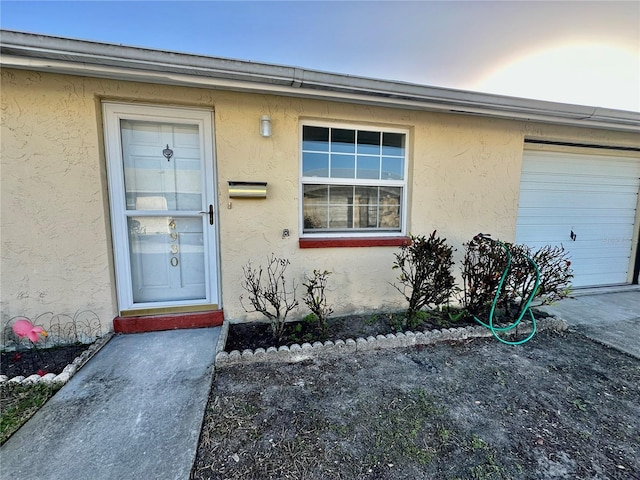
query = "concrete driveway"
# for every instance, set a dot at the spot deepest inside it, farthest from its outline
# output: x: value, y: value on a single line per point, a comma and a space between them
x: 612, y: 319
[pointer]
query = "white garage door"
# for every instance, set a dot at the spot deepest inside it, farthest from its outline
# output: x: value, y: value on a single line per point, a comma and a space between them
x: 593, y: 196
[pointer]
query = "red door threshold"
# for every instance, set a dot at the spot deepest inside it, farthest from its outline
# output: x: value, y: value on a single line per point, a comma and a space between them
x: 155, y: 323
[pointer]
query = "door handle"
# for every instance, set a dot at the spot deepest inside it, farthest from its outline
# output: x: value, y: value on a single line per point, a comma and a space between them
x: 210, y: 212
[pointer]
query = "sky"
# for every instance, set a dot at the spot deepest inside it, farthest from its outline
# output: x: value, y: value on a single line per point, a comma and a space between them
x: 579, y: 52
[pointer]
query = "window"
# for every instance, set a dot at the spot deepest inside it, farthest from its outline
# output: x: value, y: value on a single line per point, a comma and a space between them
x: 353, y: 180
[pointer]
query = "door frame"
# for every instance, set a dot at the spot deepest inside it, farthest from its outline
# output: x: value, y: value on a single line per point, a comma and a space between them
x: 113, y: 113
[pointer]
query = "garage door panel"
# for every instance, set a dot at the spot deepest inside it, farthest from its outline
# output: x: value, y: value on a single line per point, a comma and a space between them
x: 593, y: 196
x: 571, y: 188
x: 583, y: 230
x: 551, y: 199
x: 536, y: 179
x: 574, y: 164
x: 600, y: 214
x: 599, y: 279
x: 604, y: 221
x: 587, y: 251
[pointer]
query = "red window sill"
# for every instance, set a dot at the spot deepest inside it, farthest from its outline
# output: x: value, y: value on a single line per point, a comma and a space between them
x: 354, y: 242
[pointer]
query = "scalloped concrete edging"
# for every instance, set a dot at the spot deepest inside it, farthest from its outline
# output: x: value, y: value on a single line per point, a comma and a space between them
x: 68, y: 371
x: 298, y: 353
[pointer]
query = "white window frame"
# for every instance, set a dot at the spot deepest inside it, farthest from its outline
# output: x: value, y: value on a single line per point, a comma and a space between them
x: 403, y: 184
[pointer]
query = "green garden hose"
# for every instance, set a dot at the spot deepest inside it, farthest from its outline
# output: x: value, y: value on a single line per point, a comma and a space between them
x: 527, y: 304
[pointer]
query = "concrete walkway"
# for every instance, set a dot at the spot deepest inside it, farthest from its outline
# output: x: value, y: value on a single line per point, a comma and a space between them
x: 134, y: 411
x: 609, y: 318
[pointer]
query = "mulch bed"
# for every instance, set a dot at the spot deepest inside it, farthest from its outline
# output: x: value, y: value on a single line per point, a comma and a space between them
x: 259, y: 334
x: 41, y: 361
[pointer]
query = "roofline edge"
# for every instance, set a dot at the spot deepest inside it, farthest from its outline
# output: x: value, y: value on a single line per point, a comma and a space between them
x: 79, y: 57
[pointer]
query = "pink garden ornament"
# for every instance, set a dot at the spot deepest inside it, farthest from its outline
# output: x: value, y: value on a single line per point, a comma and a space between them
x: 24, y: 328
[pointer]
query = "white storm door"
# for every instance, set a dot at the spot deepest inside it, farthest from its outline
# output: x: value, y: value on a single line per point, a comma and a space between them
x: 161, y: 182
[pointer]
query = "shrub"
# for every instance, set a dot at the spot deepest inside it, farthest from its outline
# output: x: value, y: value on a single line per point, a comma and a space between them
x: 555, y: 274
x: 273, y: 299
x: 426, y: 278
x: 315, y: 298
x: 483, y: 266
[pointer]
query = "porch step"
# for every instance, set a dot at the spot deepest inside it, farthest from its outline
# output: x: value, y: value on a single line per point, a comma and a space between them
x: 154, y: 323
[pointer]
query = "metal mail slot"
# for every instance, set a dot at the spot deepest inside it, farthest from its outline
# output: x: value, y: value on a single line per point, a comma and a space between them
x: 248, y: 189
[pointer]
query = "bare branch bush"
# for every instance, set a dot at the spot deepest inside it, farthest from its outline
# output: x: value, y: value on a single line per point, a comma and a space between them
x: 555, y: 274
x: 270, y: 297
x: 316, y: 299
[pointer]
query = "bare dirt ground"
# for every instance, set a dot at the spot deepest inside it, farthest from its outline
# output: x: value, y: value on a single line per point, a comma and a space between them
x: 557, y: 407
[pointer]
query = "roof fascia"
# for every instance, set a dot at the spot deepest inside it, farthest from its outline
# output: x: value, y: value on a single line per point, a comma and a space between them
x: 77, y: 57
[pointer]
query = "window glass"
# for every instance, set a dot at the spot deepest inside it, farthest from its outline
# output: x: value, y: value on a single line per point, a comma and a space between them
x: 343, y: 166
x: 340, y: 216
x: 315, y: 217
x: 315, y: 164
x: 316, y: 194
x: 392, y: 168
x: 367, y: 195
x: 365, y: 216
x: 340, y: 194
x: 316, y: 199
x: 369, y: 142
x: 363, y: 180
x: 343, y: 140
x: 368, y: 167
x: 390, y: 212
x: 315, y: 139
x: 393, y: 144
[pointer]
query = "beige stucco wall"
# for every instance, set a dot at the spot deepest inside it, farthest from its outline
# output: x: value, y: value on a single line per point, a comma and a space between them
x: 56, y: 250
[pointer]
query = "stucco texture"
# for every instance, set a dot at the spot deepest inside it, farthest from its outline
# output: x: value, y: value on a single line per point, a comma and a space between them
x: 464, y: 174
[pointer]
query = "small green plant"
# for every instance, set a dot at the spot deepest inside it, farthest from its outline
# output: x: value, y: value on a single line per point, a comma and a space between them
x: 296, y: 334
x: 372, y: 319
x: 272, y: 298
x: 426, y: 278
x: 397, y: 322
x: 580, y: 405
x: 477, y: 443
x: 455, y: 314
x: 445, y: 435
x: 315, y: 298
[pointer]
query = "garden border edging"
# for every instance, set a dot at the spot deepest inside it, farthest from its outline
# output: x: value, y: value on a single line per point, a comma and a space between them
x: 297, y: 353
x: 68, y: 371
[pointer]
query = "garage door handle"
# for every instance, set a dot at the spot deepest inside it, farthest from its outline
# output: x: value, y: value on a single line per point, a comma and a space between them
x: 210, y: 212
x: 573, y: 235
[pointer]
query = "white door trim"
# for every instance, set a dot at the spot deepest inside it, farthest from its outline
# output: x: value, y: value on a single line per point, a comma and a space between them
x: 113, y: 113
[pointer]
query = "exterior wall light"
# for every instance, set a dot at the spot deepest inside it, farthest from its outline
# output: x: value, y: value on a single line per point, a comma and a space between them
x: 265, y: 125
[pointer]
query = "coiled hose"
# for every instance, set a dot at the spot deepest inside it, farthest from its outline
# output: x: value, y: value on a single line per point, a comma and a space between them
x: 525, y: 309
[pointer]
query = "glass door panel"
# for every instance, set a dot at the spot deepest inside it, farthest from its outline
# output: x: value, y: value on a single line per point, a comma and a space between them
x: 153, y: 182
x: 167, y: 258
x: 163, y: 172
